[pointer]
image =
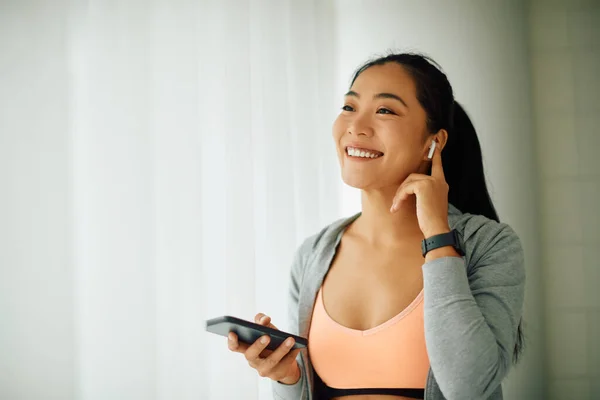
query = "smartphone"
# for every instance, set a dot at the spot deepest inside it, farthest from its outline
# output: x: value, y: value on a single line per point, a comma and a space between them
x: 248, y: 332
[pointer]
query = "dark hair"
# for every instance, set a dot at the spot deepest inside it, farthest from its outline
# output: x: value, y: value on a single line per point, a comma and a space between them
x: 462, y: 159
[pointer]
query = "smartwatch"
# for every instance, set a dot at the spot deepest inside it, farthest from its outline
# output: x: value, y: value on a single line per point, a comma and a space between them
x: 451, y: 238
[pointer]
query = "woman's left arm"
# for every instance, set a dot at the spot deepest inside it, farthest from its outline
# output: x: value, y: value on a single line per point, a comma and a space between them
x: 471, y: 314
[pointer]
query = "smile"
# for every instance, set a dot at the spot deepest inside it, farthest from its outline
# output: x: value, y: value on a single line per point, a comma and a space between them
x: 362, y: 153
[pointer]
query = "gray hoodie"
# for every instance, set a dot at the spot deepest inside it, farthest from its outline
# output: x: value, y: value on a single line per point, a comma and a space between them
x: 472, y: 307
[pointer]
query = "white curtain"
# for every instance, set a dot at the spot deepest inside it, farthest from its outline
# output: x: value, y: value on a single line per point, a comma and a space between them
x: 202, y: 156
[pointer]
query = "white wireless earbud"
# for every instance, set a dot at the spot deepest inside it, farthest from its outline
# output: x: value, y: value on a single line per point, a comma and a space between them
x: 431, y: 150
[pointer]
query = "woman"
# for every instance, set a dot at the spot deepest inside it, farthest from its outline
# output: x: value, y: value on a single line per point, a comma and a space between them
x: 386, y: 318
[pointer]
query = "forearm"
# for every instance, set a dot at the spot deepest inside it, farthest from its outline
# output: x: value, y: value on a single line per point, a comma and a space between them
x: 294, y: 378
x: 464, y: 352
x: 446, y: 251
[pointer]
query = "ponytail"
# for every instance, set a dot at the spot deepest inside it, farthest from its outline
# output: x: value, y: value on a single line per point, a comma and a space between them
x: 463, y: 167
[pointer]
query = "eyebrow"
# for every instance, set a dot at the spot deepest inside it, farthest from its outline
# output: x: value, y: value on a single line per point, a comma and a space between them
x: 379, y: 96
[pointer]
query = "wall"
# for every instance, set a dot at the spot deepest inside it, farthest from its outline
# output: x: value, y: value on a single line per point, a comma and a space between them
x: 566, y: 92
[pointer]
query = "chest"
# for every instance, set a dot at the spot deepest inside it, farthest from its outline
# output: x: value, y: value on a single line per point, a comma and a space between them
x: 366, y: 287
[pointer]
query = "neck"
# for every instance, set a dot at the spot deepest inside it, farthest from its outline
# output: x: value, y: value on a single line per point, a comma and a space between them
x: 379, y: 225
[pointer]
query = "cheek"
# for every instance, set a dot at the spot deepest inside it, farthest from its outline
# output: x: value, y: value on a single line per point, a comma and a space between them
x: 401, y: 145
x: 338, y: 128
x: 393, y: 136
x: 399, y: 134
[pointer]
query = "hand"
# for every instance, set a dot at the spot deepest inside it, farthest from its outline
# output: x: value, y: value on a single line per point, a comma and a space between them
x: 279, y: 365
x: 432, y: 197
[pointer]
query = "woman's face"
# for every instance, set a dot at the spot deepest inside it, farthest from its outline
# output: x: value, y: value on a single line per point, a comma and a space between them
x: 380, y: 134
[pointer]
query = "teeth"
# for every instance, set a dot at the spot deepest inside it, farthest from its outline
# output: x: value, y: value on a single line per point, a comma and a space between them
x: 361, y: 153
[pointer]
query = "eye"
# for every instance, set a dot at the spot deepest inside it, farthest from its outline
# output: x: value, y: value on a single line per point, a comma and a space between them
x: 385, y: 111
x: 347, y: 108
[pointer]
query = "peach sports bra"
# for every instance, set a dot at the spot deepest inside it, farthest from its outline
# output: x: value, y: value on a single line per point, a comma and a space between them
x: 390, y: 358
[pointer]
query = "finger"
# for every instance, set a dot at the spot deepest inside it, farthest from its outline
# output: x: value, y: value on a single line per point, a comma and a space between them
x: 403, y: 193
x: 290, y: 357
x: 265, y: 353
x: 234, y: 345
x: 415, y: 177
x: 259, y: 317
x: 280, y: 352
x: 265, y: 320
x: 412, y: 178
x: 278, y: 368
x: 437, y: 169
x: 405, y: 190
x: 253, y: 352
x: 285, y: 364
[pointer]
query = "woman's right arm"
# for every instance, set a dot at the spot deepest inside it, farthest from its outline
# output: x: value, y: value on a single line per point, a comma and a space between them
x: 298, y: 390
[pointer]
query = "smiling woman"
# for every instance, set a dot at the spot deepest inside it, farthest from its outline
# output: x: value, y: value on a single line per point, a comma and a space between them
x: 421, y: 293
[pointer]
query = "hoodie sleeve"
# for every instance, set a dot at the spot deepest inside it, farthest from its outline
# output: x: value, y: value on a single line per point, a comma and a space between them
x: 472, y: 313
x: 300, y: 390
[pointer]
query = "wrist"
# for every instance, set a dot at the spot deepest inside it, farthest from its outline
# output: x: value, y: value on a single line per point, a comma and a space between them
x: 436, y: 231
x: 442, y: 243
x: 294, y: 378
x: 446, y: 251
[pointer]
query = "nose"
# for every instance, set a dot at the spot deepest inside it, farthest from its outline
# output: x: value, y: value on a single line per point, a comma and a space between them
x: 360, y: 126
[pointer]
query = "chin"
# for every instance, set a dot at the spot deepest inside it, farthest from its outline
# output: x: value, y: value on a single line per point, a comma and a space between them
x: 358, y: 181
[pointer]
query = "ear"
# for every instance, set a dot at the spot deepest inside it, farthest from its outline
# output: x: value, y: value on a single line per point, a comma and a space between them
x: 441, y: 137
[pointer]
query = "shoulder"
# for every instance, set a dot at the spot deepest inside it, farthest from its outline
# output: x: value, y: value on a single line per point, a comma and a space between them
x: 324, y: 239
x: 315, y: 246
x: 487, y: 241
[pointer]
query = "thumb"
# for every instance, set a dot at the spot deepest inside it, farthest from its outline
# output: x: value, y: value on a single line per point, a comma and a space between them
x: 265, y: 320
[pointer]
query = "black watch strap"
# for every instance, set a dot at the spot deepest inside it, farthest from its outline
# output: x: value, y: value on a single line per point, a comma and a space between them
x: 443, y: 239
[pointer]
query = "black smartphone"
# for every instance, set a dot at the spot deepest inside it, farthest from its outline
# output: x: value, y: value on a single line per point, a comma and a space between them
x: 248, y: 332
